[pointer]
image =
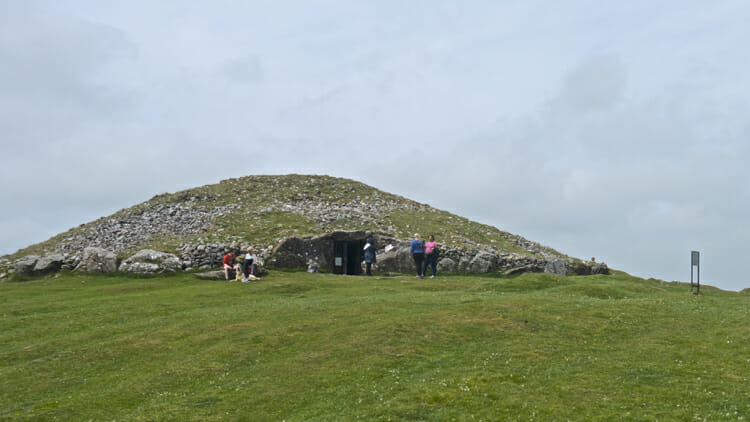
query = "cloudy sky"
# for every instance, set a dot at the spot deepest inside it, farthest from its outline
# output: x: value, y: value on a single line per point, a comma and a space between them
x: 619, y: 130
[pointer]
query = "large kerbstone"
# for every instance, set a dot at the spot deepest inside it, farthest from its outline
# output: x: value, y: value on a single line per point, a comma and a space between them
x: 25, y: 265
x: 446, y: 265
x: 294, y: 252
x: 556, y: 266
x: 149, y: 261
x: 463, y: 263
x: 396, y: 260
x: 483, y: 262
x: 97, y: 260
x: 49, y: 264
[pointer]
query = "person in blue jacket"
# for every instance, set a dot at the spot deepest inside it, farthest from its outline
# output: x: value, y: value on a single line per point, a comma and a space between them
x: 416, y: 251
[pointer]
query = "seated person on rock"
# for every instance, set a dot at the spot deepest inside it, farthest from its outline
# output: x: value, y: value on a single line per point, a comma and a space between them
x: 229, y: 264
x: 250, y: 265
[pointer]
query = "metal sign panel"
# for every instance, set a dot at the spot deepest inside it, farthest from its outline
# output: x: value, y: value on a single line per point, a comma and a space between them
x: 695, y: 257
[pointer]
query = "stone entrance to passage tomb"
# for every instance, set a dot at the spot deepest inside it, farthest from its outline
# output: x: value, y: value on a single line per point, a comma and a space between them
x: 338, y: 252
x: 348, y: 256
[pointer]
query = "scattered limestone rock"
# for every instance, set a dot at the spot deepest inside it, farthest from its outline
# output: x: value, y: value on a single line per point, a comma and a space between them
x: 136, y: 226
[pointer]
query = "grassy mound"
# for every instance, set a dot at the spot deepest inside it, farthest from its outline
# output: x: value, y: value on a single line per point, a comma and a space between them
x: 266, y: 209
x: 300, y: 346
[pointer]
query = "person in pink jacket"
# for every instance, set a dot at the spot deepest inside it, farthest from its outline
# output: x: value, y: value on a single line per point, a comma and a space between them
x: 431, y: 255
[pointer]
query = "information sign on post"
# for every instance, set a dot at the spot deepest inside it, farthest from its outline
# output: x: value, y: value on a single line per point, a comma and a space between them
x: 695, y: 258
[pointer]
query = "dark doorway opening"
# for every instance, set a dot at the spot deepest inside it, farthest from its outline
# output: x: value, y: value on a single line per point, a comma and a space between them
x: 348, y: 256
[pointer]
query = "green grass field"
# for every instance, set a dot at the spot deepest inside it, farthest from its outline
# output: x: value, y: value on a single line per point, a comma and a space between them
x: 300, y: 347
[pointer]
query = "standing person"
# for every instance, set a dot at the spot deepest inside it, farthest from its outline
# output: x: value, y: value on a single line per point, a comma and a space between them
x: 431, y: 255
x: 249, y: 265
x: 416, y: 251
x: 370, y: 256
x: 228, y: 263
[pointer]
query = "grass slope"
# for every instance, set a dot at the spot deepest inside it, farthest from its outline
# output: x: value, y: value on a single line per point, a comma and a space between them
x: 299, y: 346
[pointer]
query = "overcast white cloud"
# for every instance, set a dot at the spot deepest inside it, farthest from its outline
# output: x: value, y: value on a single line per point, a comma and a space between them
x: 616, y: 131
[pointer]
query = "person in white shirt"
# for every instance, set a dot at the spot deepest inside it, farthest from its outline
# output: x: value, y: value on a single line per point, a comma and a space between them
x: 250, y: 265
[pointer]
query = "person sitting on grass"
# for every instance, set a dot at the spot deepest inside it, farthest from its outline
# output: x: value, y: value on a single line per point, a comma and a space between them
x: 229, y: 264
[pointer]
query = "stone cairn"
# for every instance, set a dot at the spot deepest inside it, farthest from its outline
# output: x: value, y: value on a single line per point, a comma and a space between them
x: 92, y: 248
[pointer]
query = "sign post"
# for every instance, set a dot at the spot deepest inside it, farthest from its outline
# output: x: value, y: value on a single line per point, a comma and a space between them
x: 695, y: 258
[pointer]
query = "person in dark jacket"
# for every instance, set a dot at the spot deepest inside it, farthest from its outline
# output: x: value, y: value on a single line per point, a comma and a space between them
x: 416, y: 251
x: 371, y: 253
